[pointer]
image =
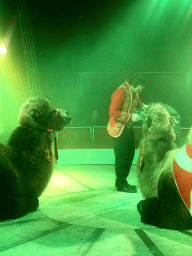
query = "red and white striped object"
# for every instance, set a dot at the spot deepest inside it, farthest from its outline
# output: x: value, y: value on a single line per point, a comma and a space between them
x: 182, y: 172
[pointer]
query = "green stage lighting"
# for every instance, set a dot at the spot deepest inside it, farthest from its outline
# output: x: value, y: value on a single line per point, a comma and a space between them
x: 3, y: 50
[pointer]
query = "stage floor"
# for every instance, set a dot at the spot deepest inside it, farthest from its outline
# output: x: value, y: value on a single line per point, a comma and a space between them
x: 81, y: 214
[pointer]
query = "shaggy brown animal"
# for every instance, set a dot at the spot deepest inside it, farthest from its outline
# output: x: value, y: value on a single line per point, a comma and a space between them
x: 163, y: 206
x: 26, y: 163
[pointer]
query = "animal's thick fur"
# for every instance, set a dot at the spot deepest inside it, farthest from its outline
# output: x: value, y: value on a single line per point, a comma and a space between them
x: 158, y: 138
x: 163, y: 206
x: 177, y: 127
x: 24, y: 169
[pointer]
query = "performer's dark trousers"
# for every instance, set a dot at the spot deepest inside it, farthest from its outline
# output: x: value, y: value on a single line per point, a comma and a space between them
x: 124, y: 150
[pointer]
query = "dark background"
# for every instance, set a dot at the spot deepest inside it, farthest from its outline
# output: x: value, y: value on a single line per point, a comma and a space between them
x: 85, y: 50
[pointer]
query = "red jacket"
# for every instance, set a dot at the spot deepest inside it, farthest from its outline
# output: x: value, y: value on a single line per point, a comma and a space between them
x: 123, y: 104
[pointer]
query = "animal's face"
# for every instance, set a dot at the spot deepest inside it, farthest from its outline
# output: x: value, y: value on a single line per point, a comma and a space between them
x: 60, y: 119
x: 156, y: 119
x: 38, y: 114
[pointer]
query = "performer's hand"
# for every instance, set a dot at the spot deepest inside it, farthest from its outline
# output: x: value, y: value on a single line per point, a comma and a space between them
x: 173, y: 120
x: 138, y: 89
x: 144, y: 107
x: 136, y: 118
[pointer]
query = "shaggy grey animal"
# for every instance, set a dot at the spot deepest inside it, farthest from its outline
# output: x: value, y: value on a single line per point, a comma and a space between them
x: 26, y: 163
x: 177, y: 127
x: 163, y: 205
x: 158, y: 138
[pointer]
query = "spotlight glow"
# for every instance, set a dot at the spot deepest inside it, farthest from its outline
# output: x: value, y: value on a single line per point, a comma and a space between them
x: 3, y: 50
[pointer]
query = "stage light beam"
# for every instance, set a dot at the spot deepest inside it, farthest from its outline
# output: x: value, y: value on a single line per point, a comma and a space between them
x: 3, y: 50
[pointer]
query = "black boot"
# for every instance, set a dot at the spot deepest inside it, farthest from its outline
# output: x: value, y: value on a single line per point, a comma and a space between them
x: 127, y: 188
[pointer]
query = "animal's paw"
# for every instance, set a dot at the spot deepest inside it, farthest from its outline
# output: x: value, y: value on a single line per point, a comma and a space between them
x: 140, y: 206
x: 33, y: 204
